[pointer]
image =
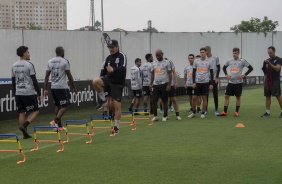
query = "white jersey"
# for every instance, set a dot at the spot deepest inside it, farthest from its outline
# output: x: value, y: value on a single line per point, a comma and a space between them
x: 236, y: 69
x: 146, y: 73
x: 58, y: 67
x: 161, y: 69
x: 188, y: 72
x: 136, y: 78
x: 22, y: 70
x: 214, y: 60
x: 202, y: 70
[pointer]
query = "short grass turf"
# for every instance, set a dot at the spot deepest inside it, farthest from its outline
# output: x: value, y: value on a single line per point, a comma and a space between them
x: 210, y: 150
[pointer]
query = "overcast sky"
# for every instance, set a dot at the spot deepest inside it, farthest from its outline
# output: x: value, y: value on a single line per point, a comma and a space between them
x: 173, y: 15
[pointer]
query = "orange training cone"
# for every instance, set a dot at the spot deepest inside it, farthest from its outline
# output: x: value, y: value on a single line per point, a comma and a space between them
x: 240, y: 125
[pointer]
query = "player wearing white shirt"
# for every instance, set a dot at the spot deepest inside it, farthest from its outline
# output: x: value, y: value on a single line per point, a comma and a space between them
x: 136, y: 84
x: 188, y: 80
x: 25, y: 89
x: 146, y: 74
x: 59, y: 69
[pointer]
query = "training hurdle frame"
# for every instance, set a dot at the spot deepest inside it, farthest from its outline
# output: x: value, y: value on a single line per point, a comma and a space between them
x: 83, y: 124
x: 100, y: 119
x: 19, y: 150
x: 45, y: 132
x: 128, y: 114
x: 142, y: 113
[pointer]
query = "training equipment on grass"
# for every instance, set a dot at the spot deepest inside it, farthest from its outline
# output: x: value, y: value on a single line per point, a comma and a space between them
x: 47, y: 132
x: 240, y: 125
x: 146, y: 113
x: 19, y: 150
x: 128, y: 115
x: 101, y: 119
x: 78, y: 124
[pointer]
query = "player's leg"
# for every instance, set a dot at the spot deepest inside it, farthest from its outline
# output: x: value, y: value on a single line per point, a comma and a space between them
x: 155, y: 99
x: 164, y: 97
x: 101, y: 85
x: 116, y: 94
x: 215, y: 97
x: 238, y: 88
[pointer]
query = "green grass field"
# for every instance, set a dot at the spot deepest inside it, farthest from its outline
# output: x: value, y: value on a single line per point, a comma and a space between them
x: 210, y: 150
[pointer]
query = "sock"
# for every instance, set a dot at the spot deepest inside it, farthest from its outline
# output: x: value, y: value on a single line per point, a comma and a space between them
x: 105, y: 113
x: 194, y: 111
x: 225, y: 109
x: 102, y: 96
x: 198, y: 109
x: 117, y: 123
x: 58, y: 121
x: 26, y: 123
x: 132, y: 104
x: 161, y: 106
x: 203, y: 112
x: 177, y: 113
x: 165, y: 114
x: 268, y: 111
x: 237, y: 108
x: 170, y: 103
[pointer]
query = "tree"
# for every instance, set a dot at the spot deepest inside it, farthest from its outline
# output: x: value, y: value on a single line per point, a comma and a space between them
x: 256, y: 25
x: 153, y: 30
x: 30, y: 26
x: 97, y: 27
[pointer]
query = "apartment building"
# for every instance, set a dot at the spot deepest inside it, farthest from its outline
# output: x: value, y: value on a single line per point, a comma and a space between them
x: 48, y: 14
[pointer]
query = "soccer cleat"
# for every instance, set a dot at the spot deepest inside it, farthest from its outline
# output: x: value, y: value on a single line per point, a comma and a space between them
x: 216, y: 112
x: 178, y: 118
x: 165, y: 119
x: 115, y: 131
x: 101, y: 105
x: 170, y: 108
x: 192, y: 115
x: 53, y: 123
x: 203, y: 116
x: 222, y: 114
x: 236, y: 114
x: 24, y: 131
x: 61, y: 128
x: 265, y: 115
x: 161, y: 111
x: 155, y: 118
x: 206, y: 112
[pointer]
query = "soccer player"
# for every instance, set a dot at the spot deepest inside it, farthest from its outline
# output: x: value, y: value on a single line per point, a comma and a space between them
x: 235, y: 80
x: 25, y: 89
x: 188, y: 81
x: 172, y: 93
x: 136, y: 84
x: 216, y: 70
x: 272, y: 69
x: 146, y: 74
x: 202, y: 75
x: 59, y: 69
x: 112, y: 79
x: 160, y: 83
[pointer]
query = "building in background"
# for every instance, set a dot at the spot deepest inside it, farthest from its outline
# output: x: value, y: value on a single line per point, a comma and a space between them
x: 46, y: 14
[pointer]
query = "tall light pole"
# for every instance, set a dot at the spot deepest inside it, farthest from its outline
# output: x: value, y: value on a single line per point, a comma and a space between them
x: 150, y: 30
x: 102, y: 17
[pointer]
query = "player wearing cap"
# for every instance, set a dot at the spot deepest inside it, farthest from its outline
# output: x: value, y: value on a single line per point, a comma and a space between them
x: 136, y: 84
x: 160, y: 83
x: 202, y: 75
x: 235, y: 80
x: 25, y: 89
x: 112, y: 79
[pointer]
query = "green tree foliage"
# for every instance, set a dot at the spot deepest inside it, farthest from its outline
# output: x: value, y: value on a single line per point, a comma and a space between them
x: 256, y: 25
x: 31, y: 26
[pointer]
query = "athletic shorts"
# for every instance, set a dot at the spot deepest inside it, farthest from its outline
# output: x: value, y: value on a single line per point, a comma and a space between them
x: 273, y: 90
x: 201, y: 89
x: 159, y: 91
x: 189, y: 90
x: 26, y: 103
x: 172, y: 92
x: 234, y: 89
x: 146, y: 91
x: 137, y: 93
x: 61, y: 97
x: 113, y: 90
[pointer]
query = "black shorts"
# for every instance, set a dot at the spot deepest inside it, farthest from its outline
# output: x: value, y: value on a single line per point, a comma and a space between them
x: 172, y: 92
x: 113, y: 90
x: 273, y: 90
x: 146, y: 91
x: 234, y: 89
x: 159, y: 91
x: 137, y: 93
x: 26, y: 103
x: 61, y: 97
x: 201, y: 89
x: 189, y: 90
